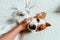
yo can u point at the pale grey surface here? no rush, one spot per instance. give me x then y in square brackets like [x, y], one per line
[50, 33]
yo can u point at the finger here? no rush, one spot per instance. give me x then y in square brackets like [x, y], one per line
[27, 20]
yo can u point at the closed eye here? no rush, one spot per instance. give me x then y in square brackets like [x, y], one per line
[20, 14]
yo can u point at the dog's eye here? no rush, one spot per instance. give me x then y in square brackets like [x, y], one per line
[38, 20]
[20, 14]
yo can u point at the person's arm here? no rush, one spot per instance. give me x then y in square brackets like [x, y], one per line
[11, 34]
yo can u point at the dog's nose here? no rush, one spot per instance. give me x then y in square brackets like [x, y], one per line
[32, 27]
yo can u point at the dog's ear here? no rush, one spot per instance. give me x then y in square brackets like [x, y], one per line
[41, 15]
[37, 15]
[47, 24]
[41, 27]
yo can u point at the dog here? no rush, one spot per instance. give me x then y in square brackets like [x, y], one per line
[36, 24]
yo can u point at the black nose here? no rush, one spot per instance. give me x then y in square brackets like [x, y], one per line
[32, 27]
[38, 20]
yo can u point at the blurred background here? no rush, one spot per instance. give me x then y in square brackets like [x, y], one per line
[51, 7]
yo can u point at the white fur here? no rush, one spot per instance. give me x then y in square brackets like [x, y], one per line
[34, 21]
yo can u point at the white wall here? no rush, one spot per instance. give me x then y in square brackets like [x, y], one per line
[50, 33]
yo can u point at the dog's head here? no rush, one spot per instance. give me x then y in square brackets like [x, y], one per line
[38, 22]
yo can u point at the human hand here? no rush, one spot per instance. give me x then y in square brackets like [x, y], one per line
[23, 24]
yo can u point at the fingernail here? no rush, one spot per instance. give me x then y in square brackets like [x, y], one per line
[29, 18]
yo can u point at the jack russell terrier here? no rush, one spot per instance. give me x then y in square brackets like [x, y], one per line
[36, 24]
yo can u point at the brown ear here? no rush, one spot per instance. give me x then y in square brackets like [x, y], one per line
[37, 15]
[41, 15]
[47, 24]
[41, 27]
